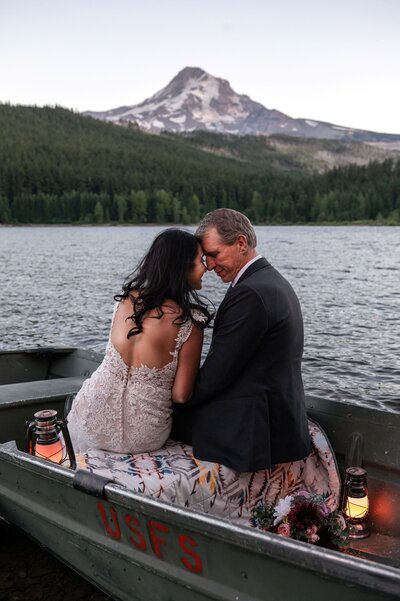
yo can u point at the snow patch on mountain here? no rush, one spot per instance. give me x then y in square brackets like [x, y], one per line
[181, 119]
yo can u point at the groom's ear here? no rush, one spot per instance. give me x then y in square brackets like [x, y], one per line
[242, 243]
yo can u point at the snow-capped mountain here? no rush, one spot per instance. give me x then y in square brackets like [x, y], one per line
[196, 100]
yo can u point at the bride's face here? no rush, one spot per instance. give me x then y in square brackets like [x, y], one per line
[197, 270]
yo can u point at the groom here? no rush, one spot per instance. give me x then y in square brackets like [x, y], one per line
[247, 410]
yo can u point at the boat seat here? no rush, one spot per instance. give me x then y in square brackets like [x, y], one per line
[47, 390]
[173, 474]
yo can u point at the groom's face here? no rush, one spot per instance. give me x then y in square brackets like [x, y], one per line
[225, 259]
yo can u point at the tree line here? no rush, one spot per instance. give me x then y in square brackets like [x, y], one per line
[57, 166]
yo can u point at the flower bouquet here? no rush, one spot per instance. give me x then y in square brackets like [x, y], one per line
[303, 516]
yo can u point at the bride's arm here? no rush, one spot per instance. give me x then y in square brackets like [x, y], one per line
[188, 366]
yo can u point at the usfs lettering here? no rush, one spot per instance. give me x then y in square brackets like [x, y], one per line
[114, 531]
[157, 535]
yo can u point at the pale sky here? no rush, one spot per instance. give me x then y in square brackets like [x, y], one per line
[330, 60]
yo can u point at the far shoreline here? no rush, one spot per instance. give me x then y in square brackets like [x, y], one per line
[183, 225]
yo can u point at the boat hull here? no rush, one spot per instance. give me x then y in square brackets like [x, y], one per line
[134, 547]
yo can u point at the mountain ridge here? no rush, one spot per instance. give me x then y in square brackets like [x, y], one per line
[195, 100]
[57, 166]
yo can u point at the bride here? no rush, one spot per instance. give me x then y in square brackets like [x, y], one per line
[153, 353]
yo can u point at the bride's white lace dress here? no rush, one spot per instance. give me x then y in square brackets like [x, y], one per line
[126, 409]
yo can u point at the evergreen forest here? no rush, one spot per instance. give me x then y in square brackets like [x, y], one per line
[59, 167]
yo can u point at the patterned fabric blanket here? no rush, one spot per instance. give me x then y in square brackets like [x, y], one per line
[173, 474]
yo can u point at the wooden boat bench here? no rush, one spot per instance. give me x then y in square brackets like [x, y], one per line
[173, 474]
[36, 379]
[46, 390]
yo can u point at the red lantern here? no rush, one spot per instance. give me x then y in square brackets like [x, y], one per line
[44, 440]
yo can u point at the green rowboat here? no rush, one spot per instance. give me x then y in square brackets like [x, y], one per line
[138, 548]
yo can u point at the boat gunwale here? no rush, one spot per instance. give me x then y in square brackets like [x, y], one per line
[40, 350]
[327, 563]
[344, 408]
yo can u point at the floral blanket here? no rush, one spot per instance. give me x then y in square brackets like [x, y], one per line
[173, 474]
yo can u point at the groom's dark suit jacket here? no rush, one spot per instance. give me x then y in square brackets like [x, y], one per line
[247, 411]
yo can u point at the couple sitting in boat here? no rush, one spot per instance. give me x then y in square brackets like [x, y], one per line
[243, 409]
[245, 406]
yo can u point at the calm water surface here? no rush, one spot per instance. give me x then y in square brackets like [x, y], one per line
[57, 284]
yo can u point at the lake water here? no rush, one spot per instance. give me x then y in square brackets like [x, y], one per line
[57, 284]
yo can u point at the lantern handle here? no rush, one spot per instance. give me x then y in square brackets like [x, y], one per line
[68, 443]
[28, 438]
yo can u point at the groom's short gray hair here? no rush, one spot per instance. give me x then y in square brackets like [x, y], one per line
[229, 225]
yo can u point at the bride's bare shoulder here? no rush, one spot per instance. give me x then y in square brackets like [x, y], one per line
[168, 311]
[170, 307]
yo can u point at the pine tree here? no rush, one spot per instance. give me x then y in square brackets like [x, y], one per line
[99, 212]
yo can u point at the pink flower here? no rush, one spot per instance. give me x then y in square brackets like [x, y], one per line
[311, 533]
[283, 529]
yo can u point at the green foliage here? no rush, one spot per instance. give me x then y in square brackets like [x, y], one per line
[59, 167]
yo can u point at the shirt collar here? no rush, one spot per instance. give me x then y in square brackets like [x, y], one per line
[241, 272]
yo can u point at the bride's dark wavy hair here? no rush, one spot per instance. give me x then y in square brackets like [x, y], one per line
[162, 274]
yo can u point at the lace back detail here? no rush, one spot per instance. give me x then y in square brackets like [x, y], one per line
[126, 409]
[186, 329]
[184, 332]
[116, 305]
